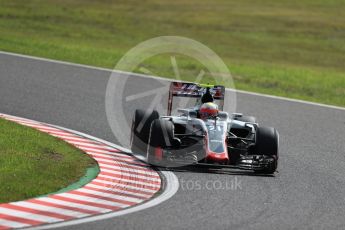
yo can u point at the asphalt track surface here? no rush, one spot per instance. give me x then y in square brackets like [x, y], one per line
[307, 193]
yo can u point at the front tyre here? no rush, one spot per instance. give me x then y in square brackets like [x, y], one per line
[161, 136]
[267, 143]
[140, 131]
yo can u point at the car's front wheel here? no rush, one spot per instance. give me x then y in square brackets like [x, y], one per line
[161, 136]
[267, 143]
[140, 131]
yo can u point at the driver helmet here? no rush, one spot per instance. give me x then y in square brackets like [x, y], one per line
[208, 110]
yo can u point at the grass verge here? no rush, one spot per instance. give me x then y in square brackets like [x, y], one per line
[33, 163]
[286, 48]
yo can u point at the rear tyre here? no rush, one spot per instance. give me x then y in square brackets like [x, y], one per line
[161, 136]
[140, 132]
[267, 143]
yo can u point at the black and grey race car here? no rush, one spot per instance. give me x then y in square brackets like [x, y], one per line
[223, 141]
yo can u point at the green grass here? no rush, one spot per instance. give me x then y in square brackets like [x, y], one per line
[287, 48]
[33, 163]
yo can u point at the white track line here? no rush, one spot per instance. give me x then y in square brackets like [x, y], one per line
[13, 224]
[137, 184]
[131, 178]
[94, 200]
[74, 205]
[126, 198]
[124, 185]
[52, 209]
[164, 79]
[129, 171]
[107, 156]
[28, 215]
[113, 189]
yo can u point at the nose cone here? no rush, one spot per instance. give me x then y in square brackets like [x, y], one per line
[220, 158]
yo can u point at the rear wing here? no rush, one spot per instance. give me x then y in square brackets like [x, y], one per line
[185, 89]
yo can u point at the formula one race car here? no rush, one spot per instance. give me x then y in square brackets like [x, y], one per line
[204, 134]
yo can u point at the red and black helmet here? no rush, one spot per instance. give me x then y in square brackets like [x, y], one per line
[208, 110]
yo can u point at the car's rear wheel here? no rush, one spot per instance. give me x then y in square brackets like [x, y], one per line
[140, 132]
[161, 136]
[267, 143]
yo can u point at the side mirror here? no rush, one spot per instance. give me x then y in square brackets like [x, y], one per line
[193, 114]
[223, 116]
[236, 115]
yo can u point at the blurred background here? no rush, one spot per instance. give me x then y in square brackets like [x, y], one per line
[287, 48]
